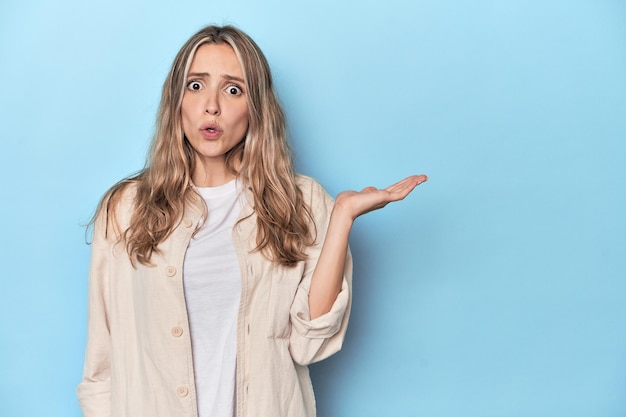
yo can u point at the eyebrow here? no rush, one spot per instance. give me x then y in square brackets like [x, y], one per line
[206, 74]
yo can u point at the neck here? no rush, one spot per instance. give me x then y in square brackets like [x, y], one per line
[211, 173]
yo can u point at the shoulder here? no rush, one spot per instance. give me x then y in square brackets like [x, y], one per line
[314, 195]
[116, 208]
[120, 199]
[309, 185]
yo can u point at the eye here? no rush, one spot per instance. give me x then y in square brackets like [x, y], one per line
[234, 90]
[194, 85]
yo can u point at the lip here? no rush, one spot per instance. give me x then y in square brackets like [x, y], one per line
[211, 130]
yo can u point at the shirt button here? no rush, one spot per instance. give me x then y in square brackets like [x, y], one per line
[177, 331]
[187, 223]
[182, 391]
[170, 271]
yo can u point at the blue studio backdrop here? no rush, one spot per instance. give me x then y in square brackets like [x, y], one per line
[496, 289]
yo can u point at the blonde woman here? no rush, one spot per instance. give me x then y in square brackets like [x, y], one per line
[217, 274]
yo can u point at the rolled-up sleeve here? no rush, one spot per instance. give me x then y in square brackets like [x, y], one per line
[94, 391]
[314, 340]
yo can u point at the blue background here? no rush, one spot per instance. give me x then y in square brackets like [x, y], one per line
[496, 289]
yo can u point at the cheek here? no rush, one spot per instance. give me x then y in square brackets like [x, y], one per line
[185, 107]
[185, 114]
[243, 118]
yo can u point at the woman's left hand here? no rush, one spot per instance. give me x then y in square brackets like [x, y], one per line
[326, 282]
[356, 203]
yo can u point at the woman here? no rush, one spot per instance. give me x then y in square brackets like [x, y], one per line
[217, 274]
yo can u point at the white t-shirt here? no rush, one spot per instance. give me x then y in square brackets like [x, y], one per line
[212, 282]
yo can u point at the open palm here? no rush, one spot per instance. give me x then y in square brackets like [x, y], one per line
[356, 203]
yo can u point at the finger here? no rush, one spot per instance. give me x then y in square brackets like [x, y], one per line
[402, 188]
[415, 180]
[421, 178]
[409, 182]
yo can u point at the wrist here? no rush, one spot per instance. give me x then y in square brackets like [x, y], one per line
[342, 214]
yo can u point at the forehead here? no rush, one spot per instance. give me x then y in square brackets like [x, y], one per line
[216, 59]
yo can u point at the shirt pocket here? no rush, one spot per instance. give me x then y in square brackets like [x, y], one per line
[284, 284]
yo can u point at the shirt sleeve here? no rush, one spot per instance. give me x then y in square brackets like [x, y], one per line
[314, 340]
[94, 391]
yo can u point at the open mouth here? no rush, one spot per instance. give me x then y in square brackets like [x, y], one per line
[211, 128]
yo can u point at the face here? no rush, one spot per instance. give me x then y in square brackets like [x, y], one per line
[214, 107]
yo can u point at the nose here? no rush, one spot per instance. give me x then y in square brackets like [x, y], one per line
[212, 106]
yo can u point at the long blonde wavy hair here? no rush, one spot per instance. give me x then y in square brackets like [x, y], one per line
[263, 158]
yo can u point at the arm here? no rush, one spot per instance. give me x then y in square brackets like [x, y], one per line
[327, 276]
[94, 391]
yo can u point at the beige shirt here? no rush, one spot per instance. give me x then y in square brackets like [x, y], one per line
[138, 360]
